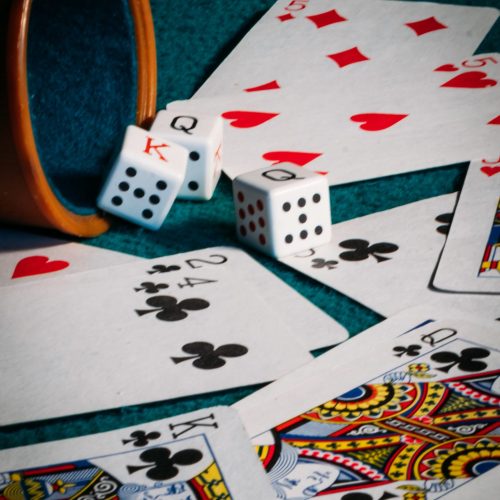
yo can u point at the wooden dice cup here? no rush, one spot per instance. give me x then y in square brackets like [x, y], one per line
[26, 196]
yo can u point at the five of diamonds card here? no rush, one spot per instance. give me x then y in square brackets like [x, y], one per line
[407, 409]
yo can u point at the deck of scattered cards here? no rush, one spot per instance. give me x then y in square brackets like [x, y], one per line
[408, 409]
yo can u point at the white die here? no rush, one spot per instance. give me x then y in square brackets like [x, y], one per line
[282, 210]
[145, 178]
[202, 136]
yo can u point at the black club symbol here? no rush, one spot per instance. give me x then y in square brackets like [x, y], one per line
[321, 263]
[358, 495]
[466, 361]
[411, 350]
[141, 438]
[208, 358]
[445, 219]
[361, 250]
[168, 309]
[160, 268]
[162, 464]
[150, 287]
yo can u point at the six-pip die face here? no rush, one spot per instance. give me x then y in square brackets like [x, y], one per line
[145, 178]
[282, 210]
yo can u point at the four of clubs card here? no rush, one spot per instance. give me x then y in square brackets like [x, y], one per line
[178, 326]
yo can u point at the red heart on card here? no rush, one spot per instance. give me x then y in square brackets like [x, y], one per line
[447, 67]
[37, 264]
[300, 158]
[247, 119]
[377, 121]
[490, 171]
[470, 80]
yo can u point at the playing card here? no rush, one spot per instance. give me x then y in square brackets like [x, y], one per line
[26, 257]
[169, 327]
[302, 42]
[481, 71]
[282, 394]
[204, 455]
[313, 327]
[386, 260]
[481, 487]
[470, 261]
[350, 136]
[29, 257]
[421, 416]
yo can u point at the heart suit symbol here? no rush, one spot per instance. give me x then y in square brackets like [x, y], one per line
[447, 67]
[470, 80]
[247, 119]
[374, 122]
[37, 264]
[300, 158]
[490, 171]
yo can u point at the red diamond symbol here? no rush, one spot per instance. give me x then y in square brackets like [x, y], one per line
[265, 86]
[495, 121]
[347, 57]
[326, 18]
[285, 17]
[426, 26]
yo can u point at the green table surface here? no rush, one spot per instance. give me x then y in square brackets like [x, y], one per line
[193, 37]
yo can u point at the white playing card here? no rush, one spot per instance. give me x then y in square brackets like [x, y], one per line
[153, 330]
[280, 395]
[29, 257]
[383, 260]
[481, 487]
[386, 260]
[470, 261]
[292, 42]
[26, 257]
[313, 327]
[352, 136]
[428, 397]
[204, 454]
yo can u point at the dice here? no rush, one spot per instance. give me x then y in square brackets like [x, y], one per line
[202, 136]
[145, 178]
[282, 210]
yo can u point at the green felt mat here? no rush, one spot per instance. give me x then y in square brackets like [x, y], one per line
[192, 39]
